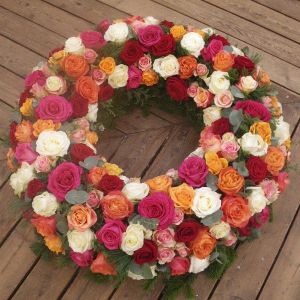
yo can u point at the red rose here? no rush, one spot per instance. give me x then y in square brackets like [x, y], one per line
[106, 92]
[254, 109]
[12, 134]
[146, 254]
[167, 23]
[131, 52]
[179, 265]
[257, 169]
[24, 95]
[34, 187]
[187, 231]
[166, 45]
[177, 89]
[109, 183]
[243, 62]
[79, 152]
[80, 106]
[221, 126]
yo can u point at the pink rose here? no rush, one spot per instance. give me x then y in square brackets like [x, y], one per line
[283, 181]
[192, 90]
[224, 99]
[150, 35]
[270, 188]
[182, 249]
[38, 91]
[230, 239]
[95, 197]
[110, 234]
[179, 265]
[165, 237]
[99, 76]
[173, 174]
[209, 141]
[35, 77]
[78, 136]
[134, 77]
[24, 152]
[145, 63]
[201, 70]
[229, 150]
[64, 178]
[179, 216]
[90, 55]
[136, 25]
[267, 101]
[165, 255]
[55, 108]
[82, 259]
[92, 39]
[103, 25]
[213, 48]
[42, 164]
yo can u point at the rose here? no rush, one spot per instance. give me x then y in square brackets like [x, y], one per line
[90, 55]
[159, 206]
[64, 178]
[223, 61]
[236, 212]
[203, 97]
[45, 204]
[112, 169]
[230, 239]
[103, 266]
[193, 171]
[177, 88]
[42, 125]
[165, 46]
[283, 181]
[146, 254]
[201, 70]
[214, 47]
[167, 23]
[95, 175]
[215, 163]
[136, 25]
[282, 131]
[103, 25]
[81, 217]
[203, 245]
[35, 77]
[80, 241]
[110, 234]
[260, 219]
[55, 108]
[193, 43]
[209, 141]
[257, 200]
[205, 202]
[253, 144]
[230, 181]
[177, 31]
[116, 206]
[165, 255]
[247, 84]
[254, 109]
[229, 150]
[257, 169]
[275, 160]
[182, 196]
[79, 106]
[149, 78]
[38, 91]
[106, 92]
[74, 45]
[224, 99]
[166, 66]
[131, 52]
[133, 238]
[107, 65]
[54, 243]
[179, 265]
[78, 135]
[24, 152]
[218, 82]
[187, 66]
[117, 32]
[110, 183]
[94, 198]
[150, 35]
[56, 85]
[134, 77]
[270, 188]
[42, 164]
[160, 183]
[35, 186]
[75, 66]
[243, 62]
[263, 129]
[182, 249]
[79, 152]
[52, 143]
[92, 39]
[119, 76]
[178, 217]
[82, 259]
[220, 230]
[193, 89]
[187, 231]
[151, 20]
[12, 136]
[164, 237]
[44, 226]
[221, 126]
[87, 88]
[24, 132]
[198, 265]
[135, 191]
[145, 63]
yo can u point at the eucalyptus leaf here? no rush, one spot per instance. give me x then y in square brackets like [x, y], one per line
[61, 224]
[228, 49]
[89, 162]
[16, 116]
[226, 112]
[148, 223]
[77, 197]
[236, 92]
[141, 270]
[235, 119]
[241, 168]
[213, 218]
[274, 141]
[211, 181]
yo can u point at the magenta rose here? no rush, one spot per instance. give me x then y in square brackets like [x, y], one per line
[134, 77]
[258, 220]
[212, 49]
[55, 108]
[254, 109]
[150, 35]
[35, 77]
[110, 234]
[64, 178]
[24, 152]
[179, 265]
[158, 206]
[103, 25]
[193, 171]
[92, 39]
[82, 259]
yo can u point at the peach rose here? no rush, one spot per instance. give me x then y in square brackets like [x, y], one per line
[203, 245]
[103, 266]
[81, 217]
[95, 175]
[275, 160]
[214, 162]
[230, 181]
[223, 61]
[177, 31]
[160, 183]
[149, 77]
[182, 196]
[209, 141]
[75, 66]
[187, 66]
[203, 97]
[54, 243]
[24, 132]
[263, 129]
[41, 125]
[115, 206]
[87, 88]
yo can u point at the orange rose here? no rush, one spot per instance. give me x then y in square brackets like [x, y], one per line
[236, 211]
[149, 78]
[54, 243]
[75, 66]
[26, 109]
[230, 181]
[214, 162]
[103, 266]
[87, 88]
[187, 66]
[45, 226]
[177, 31]
[275, 160]
[223, 61]
[95, 175]
[107, 65]
[115, 205]
[263, 129]
[203, 245]
[159, 183]
[182, 195]
[92, 137]
[24, 132]
[81, 217]
[41, 125]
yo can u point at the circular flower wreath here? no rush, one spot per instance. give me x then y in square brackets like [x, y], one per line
[176, 224]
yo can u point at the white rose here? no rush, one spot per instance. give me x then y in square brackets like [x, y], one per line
[220, 230]
[282, 132]
[205, 202]
[135, 190]
[55, 85]
[52, 143]
[81, 241]
[247, 84]
[117, 32]
[151, 21]
[133, 238]
[257, 200]
[237, 51]
[211, 114]
[253, 144]
[74, 45]
[45, 204]
[198, 265]
[20, 179]
[119, 76]
[92, 112]
[166, 66]
[218, 82]
[193, 43]
[135, 276]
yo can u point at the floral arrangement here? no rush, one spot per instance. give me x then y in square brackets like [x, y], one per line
[177, 224]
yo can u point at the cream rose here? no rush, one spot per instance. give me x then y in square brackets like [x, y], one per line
[193, 43]
[133, 238]
[135, 191]
[45, 204]
[20, 179]
[74, 45]
[205, 202]
[247, 84]
[151, 21]
[198, 265]
[218, 82]
[257, 200]
[56, 85]
[92, 112]
[166, 66]
[81, 241]
[220, 230]
[117, 32]
[253, 144]
[224, 99]
[211, 114]
[119, 76]
[52, 143]
[282, 132]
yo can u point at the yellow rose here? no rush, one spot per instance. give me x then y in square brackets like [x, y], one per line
[92, 137]
[177, 31]
[57, 57]
[182, 196]
[112, 169]
[26, 109]
[263, 129]
[215, 163]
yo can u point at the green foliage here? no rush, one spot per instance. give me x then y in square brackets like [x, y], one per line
[149, 284]
[112, 49]
[98, 278]
[233, 76]
[148, 223]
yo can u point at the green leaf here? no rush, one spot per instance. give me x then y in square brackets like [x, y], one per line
[240, 166]
[77, 197]
[236, 92]
[211, 181]
[148, 223]
[213, 218]
[141, 270]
